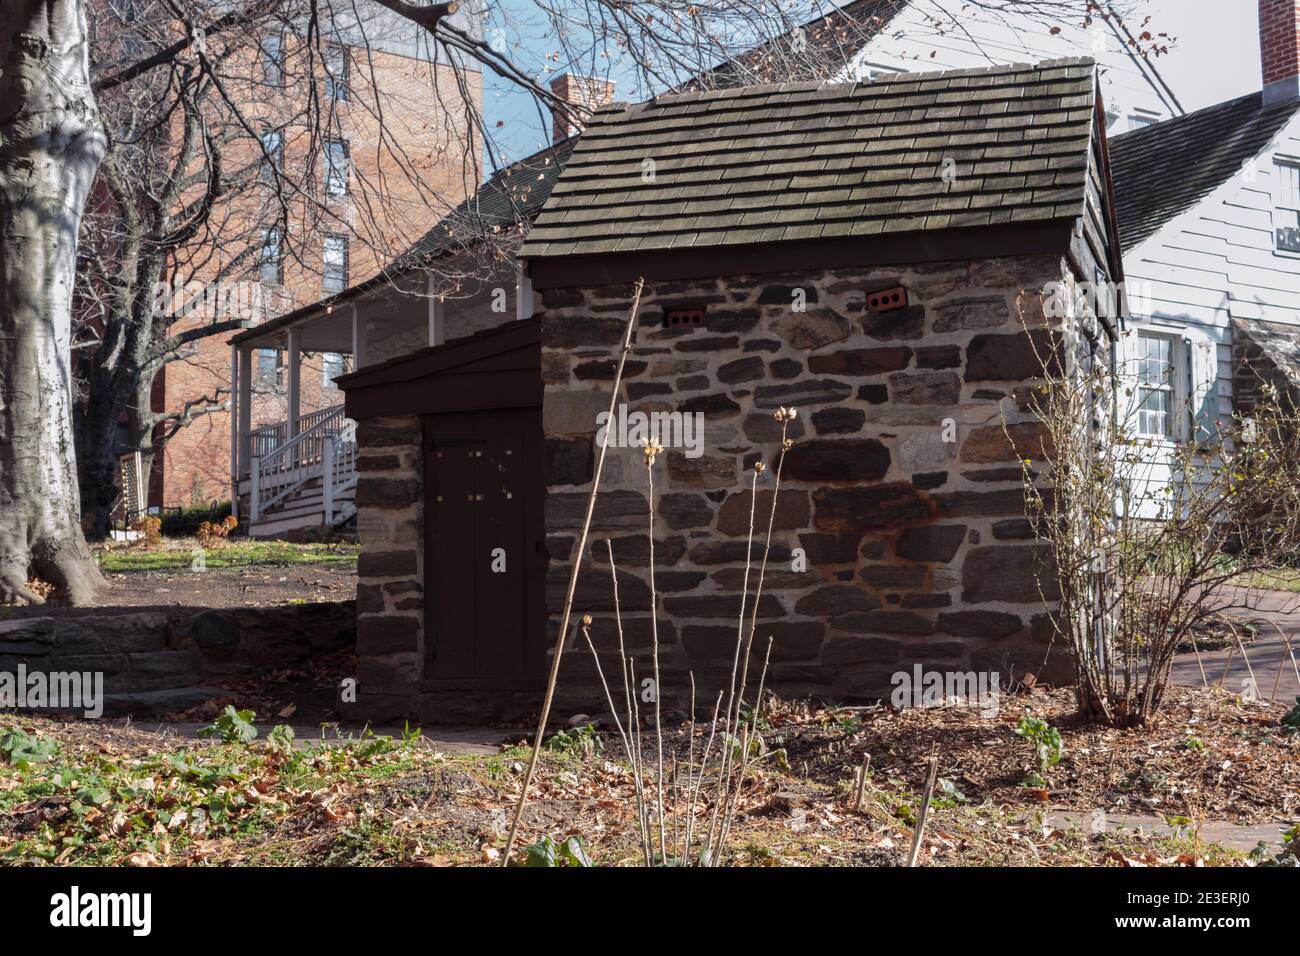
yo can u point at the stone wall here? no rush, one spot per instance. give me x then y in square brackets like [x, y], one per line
[1254, 367]
[166, 660]
[901, 493]
[390, 571]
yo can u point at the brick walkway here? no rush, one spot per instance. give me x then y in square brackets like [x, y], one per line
[1263, 658]
[1231, 835]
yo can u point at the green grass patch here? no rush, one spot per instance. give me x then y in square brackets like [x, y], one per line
[107, 810]
[179, 555]
[1272, 581]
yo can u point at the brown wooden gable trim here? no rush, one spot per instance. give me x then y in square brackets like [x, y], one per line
[1096, 244]
[982, 242]
[1115, 250]
[499, 368]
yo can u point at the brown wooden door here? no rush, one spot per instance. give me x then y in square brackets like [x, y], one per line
[485, 554]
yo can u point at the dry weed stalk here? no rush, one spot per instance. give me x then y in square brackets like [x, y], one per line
[553, 677]
[686, 788]
[918, 835]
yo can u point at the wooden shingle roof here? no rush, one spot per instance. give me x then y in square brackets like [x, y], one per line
[788, 162]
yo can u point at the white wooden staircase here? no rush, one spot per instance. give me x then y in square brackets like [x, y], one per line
[302, 477]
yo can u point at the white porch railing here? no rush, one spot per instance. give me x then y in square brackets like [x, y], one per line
[324, 448]
[262, 442]
[340, 466]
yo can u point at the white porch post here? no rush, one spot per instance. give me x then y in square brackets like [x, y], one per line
[254, 490]
[234, 431]
[294, 359]
[358, 340]
[523, 292]
[437, 315]
[327, 478]
[245, 401]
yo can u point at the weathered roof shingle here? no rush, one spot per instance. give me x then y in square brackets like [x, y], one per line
[814, 161]
[1167, 168]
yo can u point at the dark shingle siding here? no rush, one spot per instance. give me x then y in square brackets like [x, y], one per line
[830, 43]
[802, 161]
[1166, 169]
[509, 200]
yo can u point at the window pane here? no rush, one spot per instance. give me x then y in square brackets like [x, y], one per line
[1153, 416]
[336, 169]
[270, 260]
[273, 60]
[334, 271]
[1288, 185]
[1155, 374]
[336, 73]
[331, 367]
[273, 146]
[268, 361]
[1155, 366]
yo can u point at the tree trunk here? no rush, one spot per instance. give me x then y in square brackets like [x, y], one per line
[51, 143]
[96, 423]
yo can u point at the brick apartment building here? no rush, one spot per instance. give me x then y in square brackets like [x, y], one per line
[365, 215]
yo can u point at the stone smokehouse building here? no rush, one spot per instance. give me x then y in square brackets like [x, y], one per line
[871, 254]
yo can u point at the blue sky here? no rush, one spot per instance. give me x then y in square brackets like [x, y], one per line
[1215, 58]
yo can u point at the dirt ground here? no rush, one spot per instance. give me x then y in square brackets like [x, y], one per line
[223, 587]
[302, 695]
[155, 794]
[1207, 756]
[112, 795]
[230, 587]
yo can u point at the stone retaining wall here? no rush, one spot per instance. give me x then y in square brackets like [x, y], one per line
[164, 660]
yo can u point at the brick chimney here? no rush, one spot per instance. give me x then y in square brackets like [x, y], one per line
[1279, 49]
[585, 92]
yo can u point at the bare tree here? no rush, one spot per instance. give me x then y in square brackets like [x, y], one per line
[194, 189]
[51, 143]
[157, 91]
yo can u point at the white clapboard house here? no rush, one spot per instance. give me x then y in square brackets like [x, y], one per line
[1209, 217]
[924, 35]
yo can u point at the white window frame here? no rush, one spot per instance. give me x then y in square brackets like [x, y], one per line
[1286, 200]
[338, 174]
[328, 359]
[337, 241]
[1177, 387]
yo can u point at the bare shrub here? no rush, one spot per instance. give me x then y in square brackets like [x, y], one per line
[1151, 535]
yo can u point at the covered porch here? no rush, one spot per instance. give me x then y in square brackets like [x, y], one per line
[292, 451]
